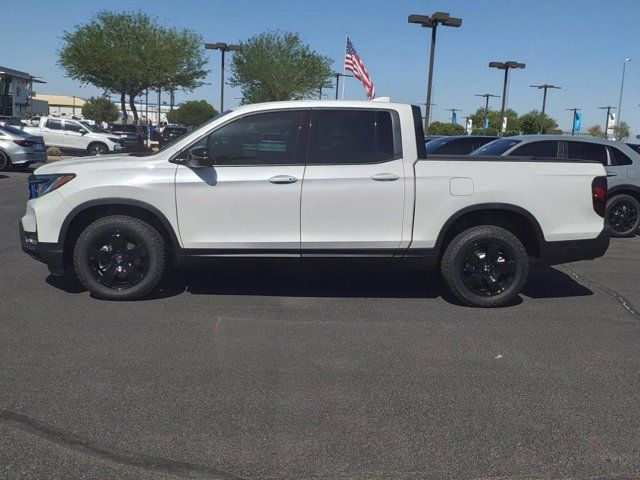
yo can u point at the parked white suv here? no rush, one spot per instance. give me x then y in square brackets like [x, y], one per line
[68, 134]
[315, 180]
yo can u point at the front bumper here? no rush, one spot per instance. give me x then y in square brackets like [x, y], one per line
[554, 253]
[50, 254]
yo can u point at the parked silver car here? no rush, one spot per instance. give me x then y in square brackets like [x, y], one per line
[621, 162]
[19, 148]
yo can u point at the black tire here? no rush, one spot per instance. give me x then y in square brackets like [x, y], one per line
[623, 216]
[5, 161]
[485, 266]
[97, 149]
[119, 258]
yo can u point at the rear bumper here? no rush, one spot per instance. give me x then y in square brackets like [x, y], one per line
[26, 158]
[51, 254]
[553, 253]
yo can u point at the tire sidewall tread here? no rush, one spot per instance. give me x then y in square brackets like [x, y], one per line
[610, 202]
[154, 245]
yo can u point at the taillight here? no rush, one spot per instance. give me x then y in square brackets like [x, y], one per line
[599, 195]
[24, 143]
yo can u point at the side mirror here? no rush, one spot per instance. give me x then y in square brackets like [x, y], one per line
[199, 158]
[83, 131]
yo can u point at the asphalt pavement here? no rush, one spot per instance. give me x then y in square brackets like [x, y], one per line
[288, 374]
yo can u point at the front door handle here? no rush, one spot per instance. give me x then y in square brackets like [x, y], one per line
[279, 179]
[385, 177]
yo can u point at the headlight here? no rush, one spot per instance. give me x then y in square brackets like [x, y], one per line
[40, 185]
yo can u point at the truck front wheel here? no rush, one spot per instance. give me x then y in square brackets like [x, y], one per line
[119, 258]
[485, 266]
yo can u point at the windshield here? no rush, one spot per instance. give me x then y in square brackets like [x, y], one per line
[496, 148]
[14, 130]
[435, 144]
[198, 129]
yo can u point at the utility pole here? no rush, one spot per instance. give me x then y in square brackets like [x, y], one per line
[453, 114]
[338, 75]
[544, 87]
[608, 108]
[486, 96]
[573, 119]
[432, 22]
[624, 67]
[506, 66]
[223, 47]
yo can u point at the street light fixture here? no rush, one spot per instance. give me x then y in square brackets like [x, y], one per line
[223, 47]
[432, 22]
[608, 108]
[506, 66]
[486, 96]
[544, 87]
[573, 119]
[338, 75]
[624, 67]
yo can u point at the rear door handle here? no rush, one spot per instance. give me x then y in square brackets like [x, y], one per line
[385, 177]
[279, 179]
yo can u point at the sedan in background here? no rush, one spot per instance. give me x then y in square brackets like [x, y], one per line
[19, 148]
[621, 162]
[459, 145]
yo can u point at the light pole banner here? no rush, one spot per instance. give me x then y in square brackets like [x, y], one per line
[577, 122]
[611, 121]
[454, 118]
[486, 123]
[504, 124]
[469, 125]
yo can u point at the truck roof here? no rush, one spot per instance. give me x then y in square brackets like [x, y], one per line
[320, 104]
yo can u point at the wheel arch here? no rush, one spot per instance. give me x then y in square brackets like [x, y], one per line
[82, 215]
[513, 218]
[628, 189]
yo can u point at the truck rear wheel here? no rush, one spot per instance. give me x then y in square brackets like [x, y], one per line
[485, 266]
[119, 258]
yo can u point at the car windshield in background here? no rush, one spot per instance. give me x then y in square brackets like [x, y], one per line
[89, 127]
[434, 145]
[14, 130]
[495, 148]
[198, 128]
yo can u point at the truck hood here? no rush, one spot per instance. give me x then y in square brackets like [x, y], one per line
[107, 162]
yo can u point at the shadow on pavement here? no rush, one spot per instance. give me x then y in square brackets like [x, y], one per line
[543, 282]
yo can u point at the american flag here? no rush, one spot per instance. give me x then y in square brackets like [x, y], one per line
[353, 63]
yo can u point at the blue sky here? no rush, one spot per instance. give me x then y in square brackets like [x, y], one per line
[577, 44]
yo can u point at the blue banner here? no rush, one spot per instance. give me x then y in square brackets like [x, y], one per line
[454, 118]
[486, 123]
[577, 121]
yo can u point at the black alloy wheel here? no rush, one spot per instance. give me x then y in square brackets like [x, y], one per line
[488, 270]
[623, 215]
[98, 149]
[118, 261]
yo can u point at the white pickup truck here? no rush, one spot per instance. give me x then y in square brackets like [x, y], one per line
[68, 134]
[315, 180]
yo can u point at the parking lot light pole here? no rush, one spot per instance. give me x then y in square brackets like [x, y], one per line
[453, 113]
[486, 96]
[338, 75]
[223, 47]
[608, 108]
[544, 87]
[432, 22]
[573, 119]
[624, 67]
[506, 66]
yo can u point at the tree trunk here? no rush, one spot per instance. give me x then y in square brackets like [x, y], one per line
[132, 105]
[123, 106]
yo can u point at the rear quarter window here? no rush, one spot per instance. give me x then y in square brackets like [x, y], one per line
[619, 158]
[587, 151]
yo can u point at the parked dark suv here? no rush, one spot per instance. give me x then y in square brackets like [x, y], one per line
[170, 133]
[131, 135]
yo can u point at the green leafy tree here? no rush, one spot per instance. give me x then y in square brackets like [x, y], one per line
[100, 109]
[127, 53]
[621, 131]
[531, 123]
[596, 131]
[492, 132]
[442, 128]
[276, 66]
[494, 119]
[192, 113]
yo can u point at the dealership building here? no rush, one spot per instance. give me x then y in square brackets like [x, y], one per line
[16, 95]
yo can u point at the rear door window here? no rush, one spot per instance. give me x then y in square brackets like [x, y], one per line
[72, 127]
[542, 149]
[54, 124]
[618, 158]
[351, 137]
[587, 151]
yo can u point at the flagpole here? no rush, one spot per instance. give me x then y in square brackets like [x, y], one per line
[344, 70]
